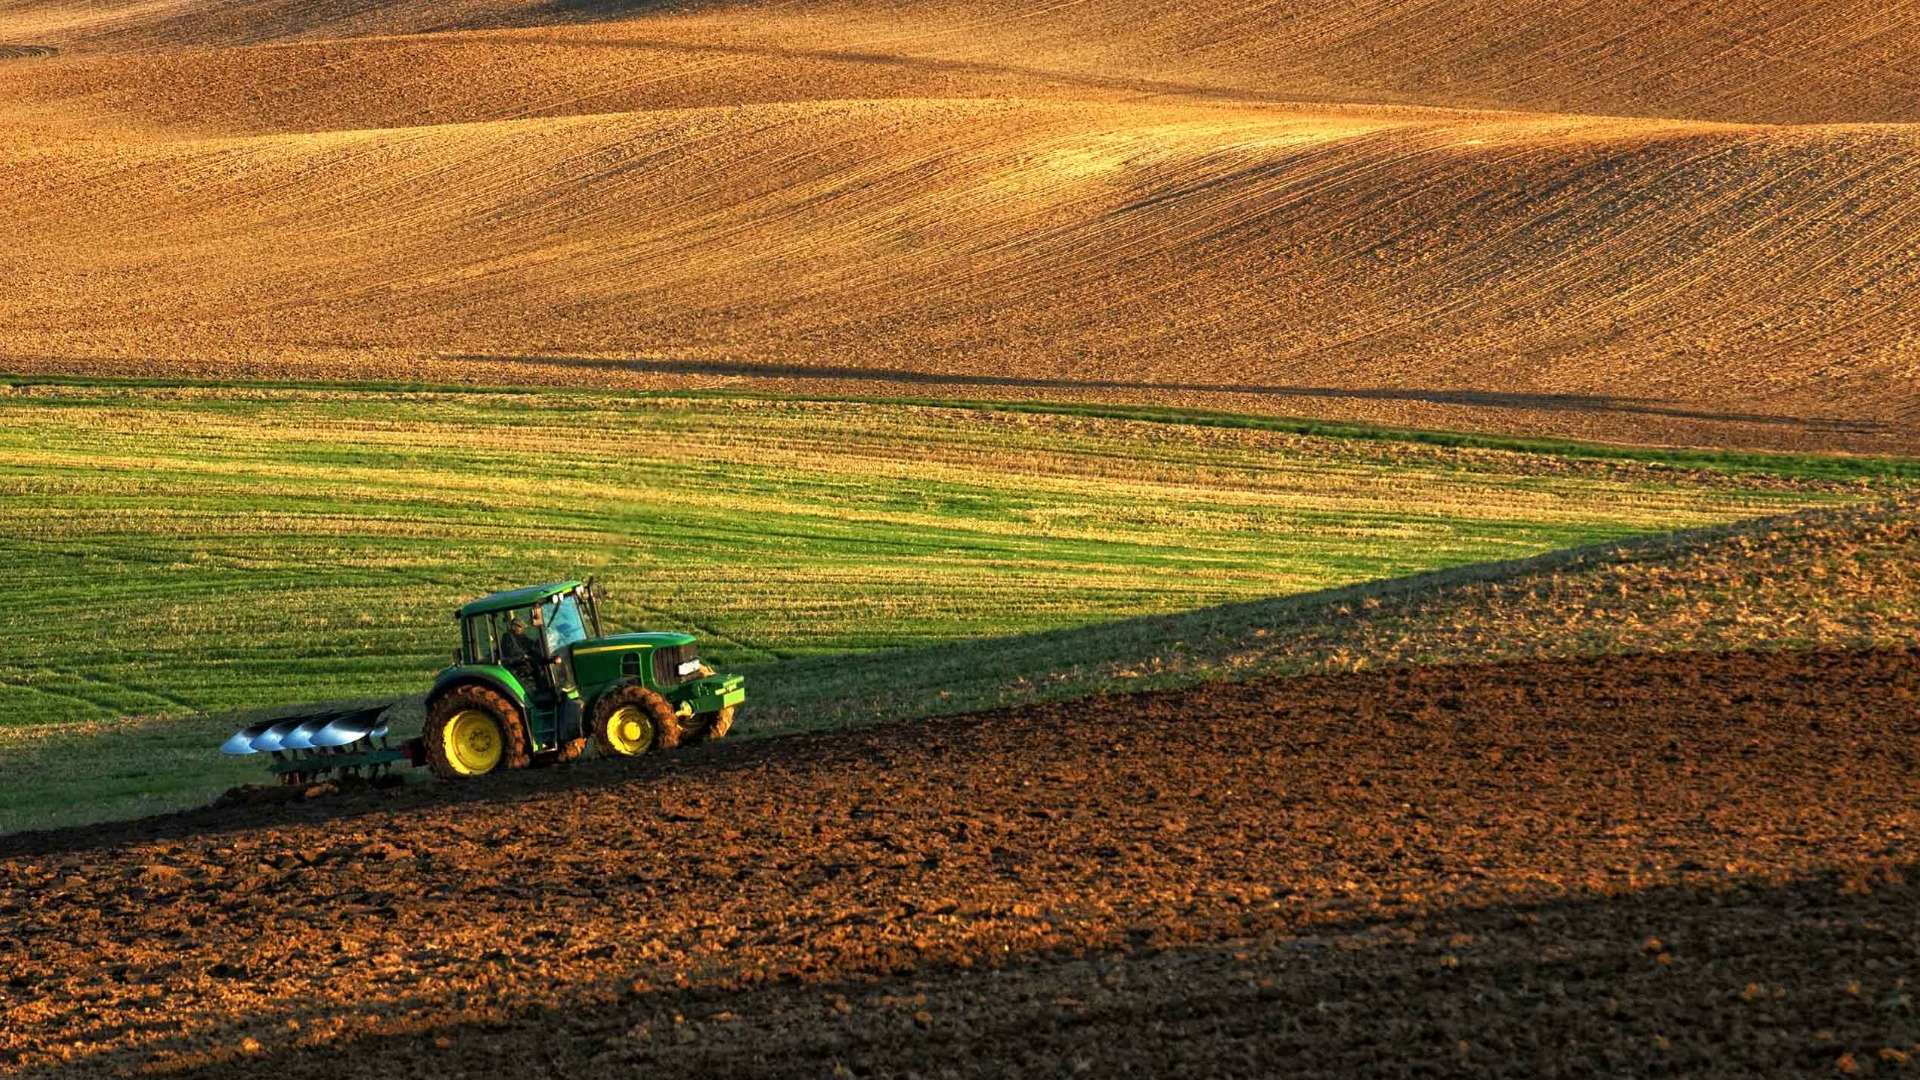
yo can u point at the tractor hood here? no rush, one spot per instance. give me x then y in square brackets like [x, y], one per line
[654, 640]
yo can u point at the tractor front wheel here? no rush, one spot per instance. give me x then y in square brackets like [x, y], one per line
[631, 720]
[471, 731]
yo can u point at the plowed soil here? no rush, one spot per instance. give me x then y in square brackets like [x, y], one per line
[1627, 220]
[1639, 866]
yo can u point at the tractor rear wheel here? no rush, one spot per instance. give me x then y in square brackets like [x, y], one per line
[471, 731]
[630, 720]
[708, 726]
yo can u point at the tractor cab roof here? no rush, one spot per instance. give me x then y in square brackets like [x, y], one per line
[515, 598]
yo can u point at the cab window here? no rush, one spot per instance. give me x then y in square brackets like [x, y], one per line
[561, 615]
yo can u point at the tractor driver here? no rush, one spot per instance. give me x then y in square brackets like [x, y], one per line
[519, 651]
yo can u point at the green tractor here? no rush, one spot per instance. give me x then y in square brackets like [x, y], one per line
[534, 680]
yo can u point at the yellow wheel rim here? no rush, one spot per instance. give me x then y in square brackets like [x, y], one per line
[472, 742]
[629, 731]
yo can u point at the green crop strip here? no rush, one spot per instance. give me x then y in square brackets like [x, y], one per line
[1757, 462]
[178, 550]
[184, 549]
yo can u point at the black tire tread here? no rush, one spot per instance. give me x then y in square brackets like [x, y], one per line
[514, 752]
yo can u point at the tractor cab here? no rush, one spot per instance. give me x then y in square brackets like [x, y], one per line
[528, 633]
[527, 636]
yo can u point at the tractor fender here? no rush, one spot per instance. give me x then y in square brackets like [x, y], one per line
[491, 675]
[617, 684]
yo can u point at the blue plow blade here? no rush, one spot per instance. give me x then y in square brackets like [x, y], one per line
[241, 742]
[301, 737]
[269, 739]
[335, 727]
[352, 727]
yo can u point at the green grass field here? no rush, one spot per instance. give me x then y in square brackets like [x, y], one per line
[177, 550]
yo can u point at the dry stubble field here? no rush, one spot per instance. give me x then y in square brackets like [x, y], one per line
[1638, 221]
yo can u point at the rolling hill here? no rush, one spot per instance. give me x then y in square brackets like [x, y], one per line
[1673, 223]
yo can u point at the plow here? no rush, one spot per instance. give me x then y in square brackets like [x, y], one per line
[315, 746]
[534, 680]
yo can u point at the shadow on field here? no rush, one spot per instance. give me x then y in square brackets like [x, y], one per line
[576, 11]
[943, 66]
[420, 789]
[1723, 977]
[1577, 403]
